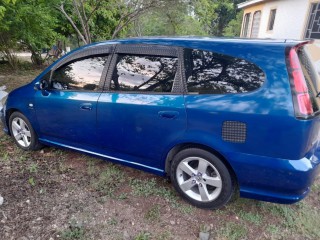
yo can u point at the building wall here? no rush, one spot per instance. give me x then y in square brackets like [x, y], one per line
[252, 10]
[291, 18]
[314, 50]
[290, 21]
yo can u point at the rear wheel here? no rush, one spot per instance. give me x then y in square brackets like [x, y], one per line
[22, 132]
[202, 178]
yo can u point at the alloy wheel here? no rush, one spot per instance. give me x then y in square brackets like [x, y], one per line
[21, 132]
[199, 179]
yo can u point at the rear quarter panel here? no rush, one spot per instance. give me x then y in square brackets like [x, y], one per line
[267, 112]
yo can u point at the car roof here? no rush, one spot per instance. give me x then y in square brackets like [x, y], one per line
[187, 40]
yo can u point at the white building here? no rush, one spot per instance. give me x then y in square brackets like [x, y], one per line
[285, 19]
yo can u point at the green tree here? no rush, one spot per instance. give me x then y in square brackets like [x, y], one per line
[7, 41]
[29, 24]
[174, 17]
[215, 15]
[233, 29]
[94, 20]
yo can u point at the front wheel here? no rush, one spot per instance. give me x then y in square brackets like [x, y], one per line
[202, 178]
[22, 132]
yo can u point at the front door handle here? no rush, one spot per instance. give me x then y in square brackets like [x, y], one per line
[86, 106]
[168, 114]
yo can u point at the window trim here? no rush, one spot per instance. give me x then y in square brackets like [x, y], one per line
[274, 9]
[147, 49]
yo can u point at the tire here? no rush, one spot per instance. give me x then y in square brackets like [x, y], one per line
[22, 132]
[202, 178]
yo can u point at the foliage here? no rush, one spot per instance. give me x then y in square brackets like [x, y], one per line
[35, 25]
[234, 27]
[95, 20]
[173, 18]
[215, 15]
[28, 24]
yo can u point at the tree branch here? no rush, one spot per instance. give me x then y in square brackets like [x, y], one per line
[61, 9]
[76, 7]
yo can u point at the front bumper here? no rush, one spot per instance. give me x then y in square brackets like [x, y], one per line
[274, 179]
[3, 120]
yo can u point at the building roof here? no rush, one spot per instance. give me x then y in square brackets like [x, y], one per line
[250, 3]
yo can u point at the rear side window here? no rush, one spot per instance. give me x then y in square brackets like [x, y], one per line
[310, 75]
[213, 73]
[144, 73]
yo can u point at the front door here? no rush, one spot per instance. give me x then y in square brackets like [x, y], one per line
[66, 112]
[142, 112]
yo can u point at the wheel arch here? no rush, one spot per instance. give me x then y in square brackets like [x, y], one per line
[8, 114]
[177, 148]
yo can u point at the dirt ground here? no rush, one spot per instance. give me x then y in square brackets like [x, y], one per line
[60, 194]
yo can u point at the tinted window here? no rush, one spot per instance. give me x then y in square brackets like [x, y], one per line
[81, 74]
[212, 73]
[144, 73]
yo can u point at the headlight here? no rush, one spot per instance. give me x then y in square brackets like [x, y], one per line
[3, 101]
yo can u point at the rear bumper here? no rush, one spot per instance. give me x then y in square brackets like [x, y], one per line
[273, 179]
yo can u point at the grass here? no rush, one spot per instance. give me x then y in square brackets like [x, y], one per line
[75, 231]
[33, 167]
[254, 218]
[153, 213]
[232, 231]
[166, 235]
[143, 236]
[108, 180]
[150, 187]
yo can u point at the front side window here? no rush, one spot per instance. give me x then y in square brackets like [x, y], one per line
[212, 73]
[144, 73]
[79, 75]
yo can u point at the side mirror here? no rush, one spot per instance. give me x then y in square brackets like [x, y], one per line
[43, 84]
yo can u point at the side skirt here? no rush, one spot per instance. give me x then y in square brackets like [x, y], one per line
[107, 157]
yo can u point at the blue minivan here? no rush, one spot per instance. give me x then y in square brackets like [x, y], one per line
[217, 116]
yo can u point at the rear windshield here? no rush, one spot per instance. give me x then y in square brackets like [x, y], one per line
[311, 74]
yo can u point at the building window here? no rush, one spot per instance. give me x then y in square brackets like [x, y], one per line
[256, 24]
[272, 18]
[245, 29]
[313, 27]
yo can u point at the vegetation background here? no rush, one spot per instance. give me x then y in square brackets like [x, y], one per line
[37, 25]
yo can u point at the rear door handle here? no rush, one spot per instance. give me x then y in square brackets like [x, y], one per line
[86, 106]
[168, 114]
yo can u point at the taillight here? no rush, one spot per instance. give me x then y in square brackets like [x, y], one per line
[302, 102]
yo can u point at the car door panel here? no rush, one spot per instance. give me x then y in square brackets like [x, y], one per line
[67, 111]
[141, 123]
